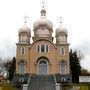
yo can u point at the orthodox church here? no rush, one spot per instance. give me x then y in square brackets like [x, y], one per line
[42, 57]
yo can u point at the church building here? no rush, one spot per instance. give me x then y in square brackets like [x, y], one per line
[43, 62]
[42, 56]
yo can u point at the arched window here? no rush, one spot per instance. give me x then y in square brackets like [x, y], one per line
[22, 66]
[62, 67]
[42, 48]
[42, 67]
[22, 50]
[38, 48]
[46, 48]
[62, 50]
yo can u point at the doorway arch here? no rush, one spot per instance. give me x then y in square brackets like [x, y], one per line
[42, 66]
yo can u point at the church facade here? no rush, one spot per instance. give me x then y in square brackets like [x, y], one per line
[42, 56]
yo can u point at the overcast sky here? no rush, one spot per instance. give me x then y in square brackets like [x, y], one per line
[76, 18]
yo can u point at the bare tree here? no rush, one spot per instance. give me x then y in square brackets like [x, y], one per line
[2, 69]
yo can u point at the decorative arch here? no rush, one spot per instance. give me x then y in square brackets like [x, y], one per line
[42, 40]
[42, 65]
[22, 61]
[42, 58]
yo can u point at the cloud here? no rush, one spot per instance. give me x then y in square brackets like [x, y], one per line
[7, 48]
[84, 47]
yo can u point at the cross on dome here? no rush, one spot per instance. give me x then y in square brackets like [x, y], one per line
[61, 20]
[61, 28]
[43, 4]
[25, 18]
[43, 20]
[43, 11]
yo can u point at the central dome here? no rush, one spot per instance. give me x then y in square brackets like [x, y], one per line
[43, 21]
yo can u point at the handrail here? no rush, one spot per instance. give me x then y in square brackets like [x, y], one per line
[28, 80]
[54, 78]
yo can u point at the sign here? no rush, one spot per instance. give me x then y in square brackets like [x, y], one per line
[84, 78]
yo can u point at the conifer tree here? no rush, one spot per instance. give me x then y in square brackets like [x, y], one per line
[10, 67]
[75, 66]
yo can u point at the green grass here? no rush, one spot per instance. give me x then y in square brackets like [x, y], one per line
[84, 87]
[8, 87]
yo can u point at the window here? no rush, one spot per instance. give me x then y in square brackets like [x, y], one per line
[62, 67]
[42, 48]
[22, 50]
[38, 48]
[21, 68]
[46, 48]
[62, 51]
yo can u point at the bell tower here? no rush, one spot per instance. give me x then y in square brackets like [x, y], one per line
[24, 33]
[63, 48]
[22, 48]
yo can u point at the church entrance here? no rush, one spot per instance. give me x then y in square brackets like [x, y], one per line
[42, 67]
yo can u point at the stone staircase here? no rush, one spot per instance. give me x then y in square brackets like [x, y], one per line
[42, 82]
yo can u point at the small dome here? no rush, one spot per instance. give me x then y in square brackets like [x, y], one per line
[25, 29]
[43, 20]
[61, 29]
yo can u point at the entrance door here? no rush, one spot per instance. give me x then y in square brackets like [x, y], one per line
[42, 67]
